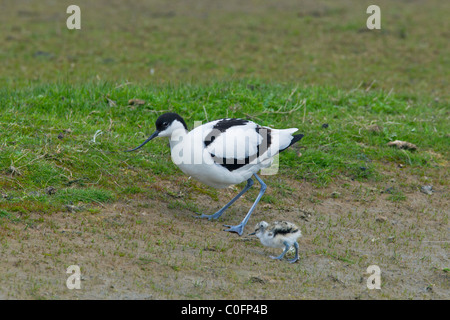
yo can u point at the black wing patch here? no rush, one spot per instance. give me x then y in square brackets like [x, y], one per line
[296, 138]
[222, 126]
[232, 164]
[210, 138]
[284, 231]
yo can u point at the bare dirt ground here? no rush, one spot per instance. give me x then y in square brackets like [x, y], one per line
[147, 249]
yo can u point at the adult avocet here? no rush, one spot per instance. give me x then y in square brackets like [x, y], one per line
[223, 152]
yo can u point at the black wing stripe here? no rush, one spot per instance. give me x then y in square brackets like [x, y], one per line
[233, 164]
[222, 126]
[284, 231]
[295, 138]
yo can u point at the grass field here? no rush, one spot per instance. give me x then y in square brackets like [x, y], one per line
[70, 195]
[303, 42]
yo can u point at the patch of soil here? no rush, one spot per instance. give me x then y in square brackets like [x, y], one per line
[149, 249]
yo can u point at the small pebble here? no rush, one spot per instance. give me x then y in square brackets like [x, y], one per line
[402, 145]
[335, 194]
[50, 190]
[136, 102]
[427, 190]
[374, 128]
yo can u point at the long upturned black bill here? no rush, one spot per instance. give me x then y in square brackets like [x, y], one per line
[154, 135]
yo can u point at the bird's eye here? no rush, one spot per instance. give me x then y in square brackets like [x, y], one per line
[165, 124]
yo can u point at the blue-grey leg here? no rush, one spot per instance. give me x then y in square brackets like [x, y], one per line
[239, 229]
[296, 253]
[286, 248]
[221, 211]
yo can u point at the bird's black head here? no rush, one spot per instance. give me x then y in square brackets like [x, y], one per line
[165, 121]
[165, 125]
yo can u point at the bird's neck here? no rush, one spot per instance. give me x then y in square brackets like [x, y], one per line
[177, 137]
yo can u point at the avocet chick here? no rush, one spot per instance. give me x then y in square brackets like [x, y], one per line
[282, 234]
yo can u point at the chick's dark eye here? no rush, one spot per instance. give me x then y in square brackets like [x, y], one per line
[165, 124]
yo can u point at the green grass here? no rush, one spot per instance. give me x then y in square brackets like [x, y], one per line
[48, 136]
[84, 195]
[288, 64]
[7, 215]
[288, 41]
[396, 195]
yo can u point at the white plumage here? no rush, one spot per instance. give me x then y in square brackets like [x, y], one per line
[238, 144]
[223, 152]
[281, 234]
